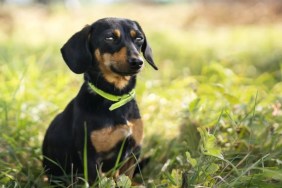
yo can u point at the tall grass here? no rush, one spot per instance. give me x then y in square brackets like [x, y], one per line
[212, 113]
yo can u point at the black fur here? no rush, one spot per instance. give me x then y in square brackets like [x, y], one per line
[64, 140]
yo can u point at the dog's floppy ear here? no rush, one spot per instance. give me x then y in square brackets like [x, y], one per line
[76, 52]
[146, 49]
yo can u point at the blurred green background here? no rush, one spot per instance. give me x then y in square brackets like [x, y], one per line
[212, 113]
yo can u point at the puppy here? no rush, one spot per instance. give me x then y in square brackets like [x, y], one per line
[103, 120]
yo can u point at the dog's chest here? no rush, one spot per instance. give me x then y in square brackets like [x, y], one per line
[106, 139]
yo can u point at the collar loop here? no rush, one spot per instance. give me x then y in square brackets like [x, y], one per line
[119, 100]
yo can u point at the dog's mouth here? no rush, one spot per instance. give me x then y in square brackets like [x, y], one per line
[131, 72]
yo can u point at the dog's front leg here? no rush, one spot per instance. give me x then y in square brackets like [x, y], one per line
[129, 166]
[93, 169]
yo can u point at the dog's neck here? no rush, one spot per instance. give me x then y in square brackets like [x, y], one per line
[103, 84]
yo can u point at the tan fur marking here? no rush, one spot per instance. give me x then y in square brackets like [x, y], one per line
[106, 139]
[137, 130]
[98, 55]
[117, 59]
[120, 56]
[132, 33]
[117, 33]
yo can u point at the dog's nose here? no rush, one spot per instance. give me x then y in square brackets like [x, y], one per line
[135, 63]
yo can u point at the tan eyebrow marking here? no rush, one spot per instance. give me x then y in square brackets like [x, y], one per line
[133, 33]
[117, 33]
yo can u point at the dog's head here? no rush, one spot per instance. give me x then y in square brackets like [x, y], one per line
[113, 45]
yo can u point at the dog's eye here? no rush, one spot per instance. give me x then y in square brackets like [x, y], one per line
[139, 39]
[110, 39]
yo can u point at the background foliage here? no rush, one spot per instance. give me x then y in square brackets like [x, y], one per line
[212, 112]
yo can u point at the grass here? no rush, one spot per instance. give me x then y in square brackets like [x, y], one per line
[212, 112]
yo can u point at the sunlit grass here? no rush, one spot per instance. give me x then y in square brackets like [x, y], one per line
[225, 80]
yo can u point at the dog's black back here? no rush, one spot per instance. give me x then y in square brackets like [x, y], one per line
[108, 53]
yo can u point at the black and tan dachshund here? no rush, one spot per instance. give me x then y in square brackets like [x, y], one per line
[103, 119]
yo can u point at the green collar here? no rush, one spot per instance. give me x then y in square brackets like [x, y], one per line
[119, 100]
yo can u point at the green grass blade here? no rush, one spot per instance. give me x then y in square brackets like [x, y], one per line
[85, 159]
